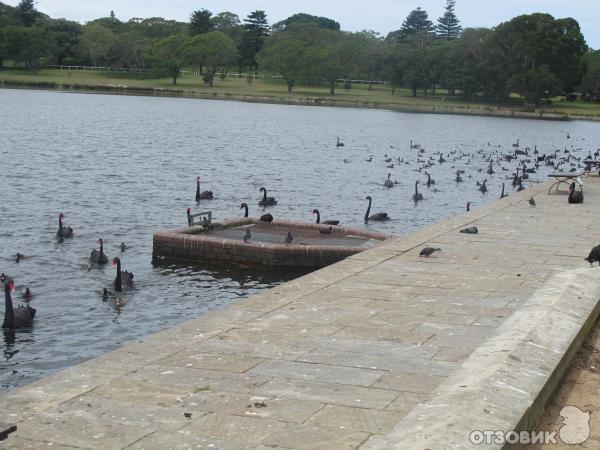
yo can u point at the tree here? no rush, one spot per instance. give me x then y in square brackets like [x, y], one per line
[67, 34]
[469, 64]
[417, 21]
[375, 54]
[96, 44]
[413, 62]
[448, 26]
[27, 12]
[590, 84]
[226, 21]
[156, 27]
[201, 22]
[321, 22]
[28, 45]
[337, 56]
[541, 56]
[256, 30]
[291, 53]
[214, 50]
[169, 55]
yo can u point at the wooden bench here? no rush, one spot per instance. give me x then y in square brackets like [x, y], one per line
[566, 178]
[589, 163]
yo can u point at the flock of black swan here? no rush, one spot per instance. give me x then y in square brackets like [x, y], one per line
[527, 162]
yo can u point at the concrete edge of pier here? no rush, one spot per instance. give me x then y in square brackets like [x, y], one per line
[497, 388]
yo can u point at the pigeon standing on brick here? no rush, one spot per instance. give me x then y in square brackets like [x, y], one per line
[594, 255]
[470, 230]
[247, 235]
[531, 201]
[289, 238]
[427, 251]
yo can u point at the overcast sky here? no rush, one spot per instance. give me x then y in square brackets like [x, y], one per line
[378, 15]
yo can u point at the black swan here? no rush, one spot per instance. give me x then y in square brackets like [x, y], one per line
[123, 279]
[483, 188]
[245, 206]
[427, 251]
[289, 238]
[326, 222]
[490, 170]
[417, 196]
[429, 180]
[204, 195]
[266, 201]
[266, 218]
[123, 246]
[63, 232]
[594, 255]
[377, 217]
[458, 178]
[339, 144]
[27, 295]
[98, 256]
[22, 316]
[575, 196]
[388, 183]
[19, 257]
[247, 235]
[502, 194]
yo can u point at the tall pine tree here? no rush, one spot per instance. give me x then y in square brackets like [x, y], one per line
[256, 30]
[27, 12]
[201, 22]
[448, 26]
[417, 20]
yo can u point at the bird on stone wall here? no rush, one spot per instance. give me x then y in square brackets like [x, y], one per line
[247, 235]
[594, 255]
[428, 251]
[289, 238]
[531, 201]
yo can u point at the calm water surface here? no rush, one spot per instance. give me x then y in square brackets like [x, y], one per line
[119, 167]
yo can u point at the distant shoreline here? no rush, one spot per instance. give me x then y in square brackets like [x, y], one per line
[465, 109]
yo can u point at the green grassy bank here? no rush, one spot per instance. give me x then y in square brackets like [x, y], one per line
[267, 91]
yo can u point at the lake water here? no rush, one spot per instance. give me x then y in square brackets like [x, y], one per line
[120, 167]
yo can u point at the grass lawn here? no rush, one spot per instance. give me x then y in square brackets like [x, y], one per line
[359, 94]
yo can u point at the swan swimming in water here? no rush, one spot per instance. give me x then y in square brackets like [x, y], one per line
[417, 196]
[22, 316]
[63, 231]
[98, 256]
[204, 195]
[326, 222]
[377, 217]
[123, 279]
[266, 201]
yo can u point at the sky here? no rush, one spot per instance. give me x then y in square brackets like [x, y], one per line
[378, 15]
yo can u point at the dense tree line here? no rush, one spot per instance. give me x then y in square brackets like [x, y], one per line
[535, 56]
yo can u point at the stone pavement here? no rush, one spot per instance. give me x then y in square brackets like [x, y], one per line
[372, 351]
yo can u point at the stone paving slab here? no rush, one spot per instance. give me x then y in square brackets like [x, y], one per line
[378, 351]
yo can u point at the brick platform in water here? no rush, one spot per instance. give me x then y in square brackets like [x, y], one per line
[382, 350]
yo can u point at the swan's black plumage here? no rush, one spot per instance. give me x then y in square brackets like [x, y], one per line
[98, 256]
[123, 279]
[594, 255]
[325, 222]
[204, 195]
[22, 316]
[266, 218]
[575, 196]
[266, 201]
[63, 231]
[377, 217]
[417, 196]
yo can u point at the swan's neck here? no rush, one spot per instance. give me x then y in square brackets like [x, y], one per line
[368, 211]
[264, 194]
[60, 224]
[416, 188]
[9, 313]
[101, 248]
[118, 279]
[245, 210]
[318, 217]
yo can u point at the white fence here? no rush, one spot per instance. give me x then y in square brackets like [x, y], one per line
[197, 73]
